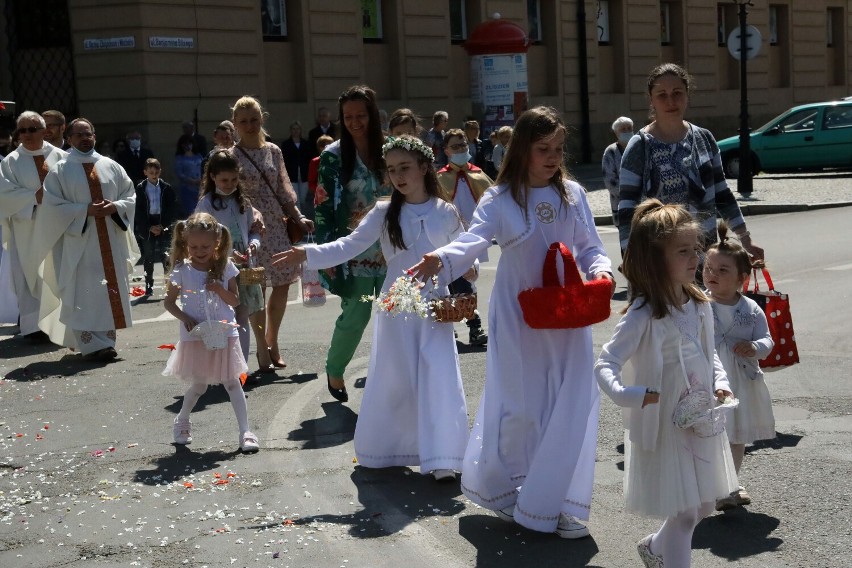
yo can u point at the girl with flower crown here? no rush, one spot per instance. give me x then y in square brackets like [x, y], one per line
[413, 411]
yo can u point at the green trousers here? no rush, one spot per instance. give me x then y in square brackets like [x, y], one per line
[351, 323]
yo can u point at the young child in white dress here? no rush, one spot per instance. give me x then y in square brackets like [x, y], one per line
[742, 339]
[413, 411]
[205, 280]
[663, 349]
[223, 197]
[531, 454]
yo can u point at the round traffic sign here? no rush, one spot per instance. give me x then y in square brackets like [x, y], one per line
[753, 40]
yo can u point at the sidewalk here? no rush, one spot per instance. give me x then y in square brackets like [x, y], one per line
[773, 193]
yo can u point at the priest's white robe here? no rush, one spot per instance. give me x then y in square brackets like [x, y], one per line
[80, 275]
[19, 181]
[414, 410]
[534, 436]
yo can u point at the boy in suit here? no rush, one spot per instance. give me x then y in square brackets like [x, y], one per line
[156, 205]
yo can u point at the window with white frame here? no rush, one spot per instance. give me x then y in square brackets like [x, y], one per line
[603, 21]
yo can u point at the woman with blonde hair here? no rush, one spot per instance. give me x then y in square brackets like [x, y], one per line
[265, 181]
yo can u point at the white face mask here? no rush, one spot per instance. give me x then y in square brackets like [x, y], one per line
[624, 137]
[223, 194]
[135, 143]
[460, 159]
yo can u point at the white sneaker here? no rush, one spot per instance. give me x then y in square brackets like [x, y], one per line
[506, 514]
[444, 475]
[182, 431]
[570, 527]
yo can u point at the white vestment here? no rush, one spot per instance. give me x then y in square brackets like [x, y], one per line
[19, 181]
[89, 301]
[414, 410]
[8, 301]
[533, 439]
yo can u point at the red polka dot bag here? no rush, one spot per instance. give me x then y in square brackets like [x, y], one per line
[776, 306]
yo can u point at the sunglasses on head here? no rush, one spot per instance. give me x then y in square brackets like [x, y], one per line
[30, 129]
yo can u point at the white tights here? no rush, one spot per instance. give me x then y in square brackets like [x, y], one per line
[674, 539]
[235, 393]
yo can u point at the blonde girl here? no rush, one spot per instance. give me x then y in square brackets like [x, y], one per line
[204, 278]
[661, 350]
[742, 339]
[413, 411]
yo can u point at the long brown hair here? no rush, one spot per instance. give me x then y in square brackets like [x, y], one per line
[536, 124]
[203, 223]
[348, 152]
[219, 162]
[654, 224]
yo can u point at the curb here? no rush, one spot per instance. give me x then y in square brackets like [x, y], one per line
[760, 209]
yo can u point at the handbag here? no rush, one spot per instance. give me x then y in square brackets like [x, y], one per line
[211, 332]
[313, 294]
[294, 230]
[574, 304]
[776, 306]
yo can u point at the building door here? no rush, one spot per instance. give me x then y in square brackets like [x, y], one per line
[41, 55]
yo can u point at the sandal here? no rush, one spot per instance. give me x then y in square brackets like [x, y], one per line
[277, 362]
[248, 443]
[182, 431]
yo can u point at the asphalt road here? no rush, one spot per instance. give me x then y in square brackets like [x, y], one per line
[89, 476]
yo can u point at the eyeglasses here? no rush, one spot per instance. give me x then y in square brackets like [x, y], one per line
[30, 130]
[459, 147]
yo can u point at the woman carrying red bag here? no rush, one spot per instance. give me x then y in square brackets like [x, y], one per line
[531, 454]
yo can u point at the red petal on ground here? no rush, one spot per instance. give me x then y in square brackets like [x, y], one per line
[169, 346]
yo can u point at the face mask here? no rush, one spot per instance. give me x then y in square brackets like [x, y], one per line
[460, 159]
[624, 137]
[222, 193]
[135, 143]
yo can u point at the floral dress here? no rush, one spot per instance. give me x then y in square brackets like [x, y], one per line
[269, 159]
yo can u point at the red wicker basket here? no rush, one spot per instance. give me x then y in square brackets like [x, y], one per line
[454, 308]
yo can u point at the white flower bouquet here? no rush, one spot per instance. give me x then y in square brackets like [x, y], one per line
[403, 297]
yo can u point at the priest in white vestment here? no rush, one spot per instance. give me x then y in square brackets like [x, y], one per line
[88, 207]
[22, 174]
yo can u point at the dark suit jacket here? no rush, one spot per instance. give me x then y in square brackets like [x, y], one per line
[297, 160]
[315, 133]
[143, 222]
[134, 166]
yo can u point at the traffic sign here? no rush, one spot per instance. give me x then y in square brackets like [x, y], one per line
[753, 40]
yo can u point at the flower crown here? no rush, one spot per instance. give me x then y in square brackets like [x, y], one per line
[409, 144]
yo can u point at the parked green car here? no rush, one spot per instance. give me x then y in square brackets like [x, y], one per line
[812, 136]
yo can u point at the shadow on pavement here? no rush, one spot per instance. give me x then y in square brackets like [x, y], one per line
[737, 534]
[779, 442]
[71, 364]
[178, 465]
[335, 428]
[16, 346]
[500, 544]
[218, 394]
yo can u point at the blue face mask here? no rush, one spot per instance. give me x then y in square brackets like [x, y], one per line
[460, 159]
[624, 137]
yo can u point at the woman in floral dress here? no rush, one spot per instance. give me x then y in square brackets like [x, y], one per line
[264, 179]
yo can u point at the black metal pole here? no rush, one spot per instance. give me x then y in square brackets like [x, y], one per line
[744, 181]
[585, 120]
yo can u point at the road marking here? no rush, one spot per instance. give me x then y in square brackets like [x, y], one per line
[841, 267]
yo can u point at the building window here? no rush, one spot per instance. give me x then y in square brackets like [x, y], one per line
[665, 23]
[273, 19]
[534, 20]
[829, 27]
[721, 29]
[773, 25]
[371, 20]
[458, 20]
[603, 22]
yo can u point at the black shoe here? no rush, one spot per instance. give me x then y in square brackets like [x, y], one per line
[339, 394]
[149, 290]
[105, 354]
[38, 337]
[477, 337]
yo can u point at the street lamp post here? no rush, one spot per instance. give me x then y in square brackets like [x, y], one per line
[744, 181]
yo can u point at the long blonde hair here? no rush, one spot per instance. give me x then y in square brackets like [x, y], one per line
[202, 223]
[654, 224]
[247, 102]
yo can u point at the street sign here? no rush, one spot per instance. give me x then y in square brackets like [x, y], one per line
[753, 40]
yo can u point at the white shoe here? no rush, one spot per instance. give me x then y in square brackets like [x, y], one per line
[182, 431]
[570, 527]
[444, 475]
[248, 443]
[506, 514]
